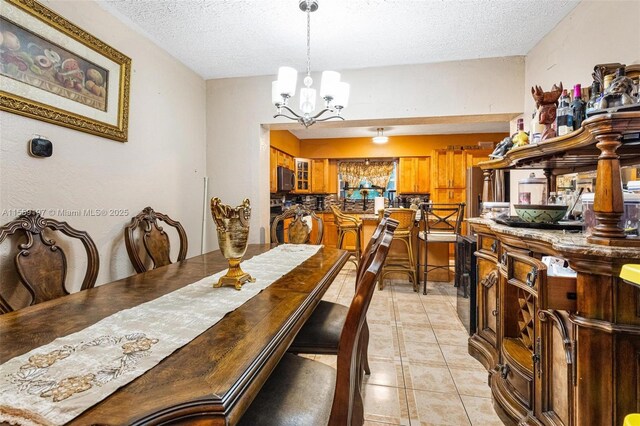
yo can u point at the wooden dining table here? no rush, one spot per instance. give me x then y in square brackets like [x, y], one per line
[212, 379]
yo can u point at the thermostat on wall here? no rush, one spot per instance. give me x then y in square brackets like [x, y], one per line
[40, 147]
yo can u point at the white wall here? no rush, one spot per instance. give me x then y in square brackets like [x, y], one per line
[162, 165]
[237, 145]
[595, 32]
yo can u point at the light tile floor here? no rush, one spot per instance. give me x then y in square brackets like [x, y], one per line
[421, 373]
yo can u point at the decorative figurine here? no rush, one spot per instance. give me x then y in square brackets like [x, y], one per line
[547, 104]
[618, 93]
[520, 139]
[501, 149]
[233, 236]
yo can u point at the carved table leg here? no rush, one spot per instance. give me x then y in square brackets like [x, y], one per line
[608, 205]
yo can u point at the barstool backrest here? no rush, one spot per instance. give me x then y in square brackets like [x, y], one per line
[406, 218]
[443, 217]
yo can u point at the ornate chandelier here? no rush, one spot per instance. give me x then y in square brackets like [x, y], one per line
[334, 92]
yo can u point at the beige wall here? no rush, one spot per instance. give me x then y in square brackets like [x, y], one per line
[238, 147]
[595, 32]
[162, 164]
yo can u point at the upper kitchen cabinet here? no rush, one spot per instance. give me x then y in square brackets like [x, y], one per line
[303, 175]
[449, 168]
[277, 159]
[320, 176]
[414, 175]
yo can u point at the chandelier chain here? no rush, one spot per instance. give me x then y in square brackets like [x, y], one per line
[308, 38]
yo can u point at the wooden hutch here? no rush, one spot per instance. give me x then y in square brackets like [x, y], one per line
[563, 351]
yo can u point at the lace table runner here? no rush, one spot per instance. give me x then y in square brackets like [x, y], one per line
[56, 382]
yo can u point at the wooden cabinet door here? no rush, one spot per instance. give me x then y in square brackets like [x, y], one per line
[554, 366]
[320, 176]
[273, 170]
[333, 177]
[423, 178]
[448, 195]
[441, 166]
[457, 170]
[487, 296]
[406, 176]
[303, 175]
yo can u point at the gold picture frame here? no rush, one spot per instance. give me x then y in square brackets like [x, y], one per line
[54, 71]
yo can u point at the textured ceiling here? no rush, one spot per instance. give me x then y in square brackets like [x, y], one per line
[233, 38]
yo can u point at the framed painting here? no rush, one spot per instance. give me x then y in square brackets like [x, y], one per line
[54, 71]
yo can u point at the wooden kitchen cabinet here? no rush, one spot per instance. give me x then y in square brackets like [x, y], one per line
[414, 175]
[450, 168]
[320, 176]
[303, 175]
[449, 195]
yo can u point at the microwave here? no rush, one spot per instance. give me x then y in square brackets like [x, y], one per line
[286, 179]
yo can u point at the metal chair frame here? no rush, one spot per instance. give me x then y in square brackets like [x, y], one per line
[437, 220]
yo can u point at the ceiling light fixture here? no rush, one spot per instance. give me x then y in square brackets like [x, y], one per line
[334, 92]
[380, 137]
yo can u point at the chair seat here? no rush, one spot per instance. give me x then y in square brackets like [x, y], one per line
[439, 237]
[321, 333]
[298, 392]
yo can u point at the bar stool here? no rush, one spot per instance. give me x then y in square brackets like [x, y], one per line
[348, 224]
[398, 262]
[442, 225]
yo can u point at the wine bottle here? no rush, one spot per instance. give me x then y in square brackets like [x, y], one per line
[577, 107]
[564, 119]
[592, 105]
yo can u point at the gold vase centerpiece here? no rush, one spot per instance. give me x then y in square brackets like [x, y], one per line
[233, 235]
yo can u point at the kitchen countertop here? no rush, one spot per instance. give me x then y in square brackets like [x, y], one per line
[561, 241]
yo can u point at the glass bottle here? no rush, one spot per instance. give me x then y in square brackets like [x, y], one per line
[592, 105]
[536, 129]
[564, 120]
[553, 200]
[577, 107]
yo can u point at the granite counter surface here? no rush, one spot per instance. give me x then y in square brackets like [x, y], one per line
[561, 241]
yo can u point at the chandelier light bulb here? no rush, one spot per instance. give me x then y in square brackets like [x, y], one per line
[287, 81]
[341, 99]
[307, 100]
[329, 84]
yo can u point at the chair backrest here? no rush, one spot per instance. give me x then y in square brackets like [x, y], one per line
[347, 408]
[405, 217]
[341, 218]
[372, 245]
[443, 218]
[154, 238]
[298, 230]
[41, 263]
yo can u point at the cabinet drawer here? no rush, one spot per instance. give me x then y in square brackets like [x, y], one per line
[559, 293]
[488, 244]
[524, 271]
[517, 370]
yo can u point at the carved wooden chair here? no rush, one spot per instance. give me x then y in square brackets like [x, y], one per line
[297, 229]
[40, 263]
[155, 239]
[301, 391]
[321, 333]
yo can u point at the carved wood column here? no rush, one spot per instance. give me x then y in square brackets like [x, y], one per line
[551, 181]
[608, 204]
[487, 187]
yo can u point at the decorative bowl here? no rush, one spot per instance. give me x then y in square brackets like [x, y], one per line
[540, 213]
